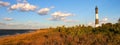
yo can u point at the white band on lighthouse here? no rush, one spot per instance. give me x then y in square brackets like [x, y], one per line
[96, 16]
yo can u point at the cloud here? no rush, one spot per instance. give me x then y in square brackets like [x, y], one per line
[16, 6]
[4, 3]
[2, 23]
[52, 7]
[104, 20]
[44, 11]
[59, 16]
[26, 25]
[91, 23]
[24, 6]
[62, 16]
[7, 19]
[28, 7]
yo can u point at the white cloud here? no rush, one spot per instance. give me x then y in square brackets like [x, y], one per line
[104, 20]
[16, 6]
[28, 7]
[52, 7]
[44, 11]
[24, 6]
[59, 16]
[62, 16]
[4, 3]
[7, 19]
[91, 24]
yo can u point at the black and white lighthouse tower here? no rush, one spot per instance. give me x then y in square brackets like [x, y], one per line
[96, 17]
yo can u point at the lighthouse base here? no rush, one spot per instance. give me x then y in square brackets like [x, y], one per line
[97, 25]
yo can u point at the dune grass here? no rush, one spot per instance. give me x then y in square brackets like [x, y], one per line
[107, 34]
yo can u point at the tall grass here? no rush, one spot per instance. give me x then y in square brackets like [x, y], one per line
[107, 34]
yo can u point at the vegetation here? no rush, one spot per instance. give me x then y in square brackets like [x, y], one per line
[107, 34]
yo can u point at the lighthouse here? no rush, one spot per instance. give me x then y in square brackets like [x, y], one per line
[96, 17]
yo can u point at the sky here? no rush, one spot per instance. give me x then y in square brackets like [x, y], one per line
[35, 14]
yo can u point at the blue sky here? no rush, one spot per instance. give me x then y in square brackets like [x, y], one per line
[45, 13]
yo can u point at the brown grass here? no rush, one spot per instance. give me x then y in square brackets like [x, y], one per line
[52, 37]
[26, 38]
